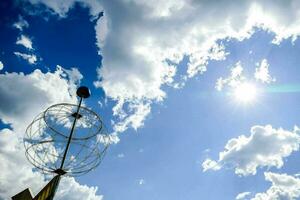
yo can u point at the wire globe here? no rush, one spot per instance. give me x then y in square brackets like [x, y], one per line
[47, 136]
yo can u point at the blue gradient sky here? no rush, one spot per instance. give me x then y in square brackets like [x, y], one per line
[190, 125]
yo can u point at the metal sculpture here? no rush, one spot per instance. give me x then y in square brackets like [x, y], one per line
[65, 139]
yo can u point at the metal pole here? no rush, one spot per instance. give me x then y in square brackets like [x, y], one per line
[71, 133]
[82, 92]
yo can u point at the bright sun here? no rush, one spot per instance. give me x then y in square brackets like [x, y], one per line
[245, 92]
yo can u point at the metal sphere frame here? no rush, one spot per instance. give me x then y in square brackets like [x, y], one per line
[66, 107]
[65, 139]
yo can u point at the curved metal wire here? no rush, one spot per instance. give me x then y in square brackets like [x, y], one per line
[46, 137]
[54, 116]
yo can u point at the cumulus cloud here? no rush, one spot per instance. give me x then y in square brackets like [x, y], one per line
[21, 24]
[70, 189]
[30, 58]
[262, 72]
[284, 187]
[102, 30]
[137, 38]
[265, 147]
[16, 172]
[138, 42]
[242, 196]
[25, 41]
[35, 92]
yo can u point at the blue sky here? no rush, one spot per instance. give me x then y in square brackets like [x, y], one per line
[153, 77]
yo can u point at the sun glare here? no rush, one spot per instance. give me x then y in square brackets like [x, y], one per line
[245, 92]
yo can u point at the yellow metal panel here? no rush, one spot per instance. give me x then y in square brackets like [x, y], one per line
[24, 195]
[47, 193]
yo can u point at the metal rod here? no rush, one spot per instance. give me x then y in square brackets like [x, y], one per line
[71, 133]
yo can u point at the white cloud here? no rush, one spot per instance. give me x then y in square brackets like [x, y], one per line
[242, 196]
[21, 24]
[235, 78]
[210, 164]
[284, 187]
[30, 58]
[112, 138]
[25, 41]
[136, 38]
[74, 74]
[161, 8]
[62, 7]
[138, 42]
[70, 189]
[141, 181]
[1, 65]
[136, 119]
[265, 147]
[59, 7]
[262, 72]
[101, 29]
[16, 172]
[22, 98]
